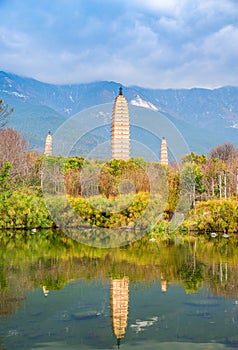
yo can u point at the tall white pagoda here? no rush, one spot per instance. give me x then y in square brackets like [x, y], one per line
[120, 128]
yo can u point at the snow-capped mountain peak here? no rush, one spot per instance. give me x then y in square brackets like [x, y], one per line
[138, 101]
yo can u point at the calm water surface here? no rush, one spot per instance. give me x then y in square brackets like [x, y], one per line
[58, 294]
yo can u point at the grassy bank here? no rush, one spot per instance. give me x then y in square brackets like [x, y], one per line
[26, 208]
[213, 215]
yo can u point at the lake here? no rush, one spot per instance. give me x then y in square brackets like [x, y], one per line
[59, 294]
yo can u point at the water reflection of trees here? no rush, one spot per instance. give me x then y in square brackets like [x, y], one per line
[50, 259]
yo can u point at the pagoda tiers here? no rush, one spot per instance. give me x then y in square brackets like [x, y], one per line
[120, 128]
[48, 145]
[164, 152]
[119, 300]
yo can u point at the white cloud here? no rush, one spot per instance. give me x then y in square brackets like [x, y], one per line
[212, 7]
[222, 43]
[153, 43]
[11, 39]
[186, 8]
[170, 7]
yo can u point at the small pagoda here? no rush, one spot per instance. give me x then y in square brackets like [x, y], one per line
[48, 145]
[164, 152]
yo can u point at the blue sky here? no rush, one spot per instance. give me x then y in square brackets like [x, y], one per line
[150, 43]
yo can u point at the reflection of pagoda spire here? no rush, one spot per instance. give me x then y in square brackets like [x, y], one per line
[45, 291]
[163, 283]
[119, 299]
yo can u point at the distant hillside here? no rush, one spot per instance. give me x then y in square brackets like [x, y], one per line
[204, 117]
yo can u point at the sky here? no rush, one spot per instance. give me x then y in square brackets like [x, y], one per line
[148, 43]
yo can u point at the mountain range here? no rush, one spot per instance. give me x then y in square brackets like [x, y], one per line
[205, 117]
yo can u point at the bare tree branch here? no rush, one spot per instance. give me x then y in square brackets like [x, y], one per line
[4, 113]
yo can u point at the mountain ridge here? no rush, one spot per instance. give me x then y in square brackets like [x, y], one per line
[205, 117]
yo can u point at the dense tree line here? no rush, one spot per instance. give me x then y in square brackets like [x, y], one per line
[197, 178]
[215, 175]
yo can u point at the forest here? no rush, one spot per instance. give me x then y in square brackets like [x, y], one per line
[116, 193]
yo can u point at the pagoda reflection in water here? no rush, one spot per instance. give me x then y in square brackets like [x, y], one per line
[119, 302]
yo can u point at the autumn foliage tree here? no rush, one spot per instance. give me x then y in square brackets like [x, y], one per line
[120, 176]
[226, 152]
[14, 149]
[228, 178]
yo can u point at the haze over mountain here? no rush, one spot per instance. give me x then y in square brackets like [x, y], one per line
[204, 117]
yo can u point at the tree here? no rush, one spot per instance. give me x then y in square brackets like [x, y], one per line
[4, 113]
[226, 152]
[120, 176]
[191, 181]
[15, 150]
[4, 179]
[173, 194]
[212, 170]
[194, 158]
